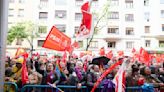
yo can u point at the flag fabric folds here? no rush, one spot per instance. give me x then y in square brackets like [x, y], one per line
[85, 28]
[56, 40]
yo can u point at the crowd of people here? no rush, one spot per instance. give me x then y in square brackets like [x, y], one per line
[74, 72]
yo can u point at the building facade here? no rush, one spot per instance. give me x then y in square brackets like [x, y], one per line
[129, 24]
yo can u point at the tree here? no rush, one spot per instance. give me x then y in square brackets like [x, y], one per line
[100, 16]
[21, 31]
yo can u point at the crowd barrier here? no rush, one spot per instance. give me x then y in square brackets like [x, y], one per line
[59, 88]
[10, 87]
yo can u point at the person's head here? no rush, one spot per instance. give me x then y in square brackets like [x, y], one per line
[135, 68]
[96, 68]
[79, 64]
[29, 67]
[49, 67]
[62, 65]
[145, 71]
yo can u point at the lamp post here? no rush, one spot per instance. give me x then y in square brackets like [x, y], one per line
[3, 34]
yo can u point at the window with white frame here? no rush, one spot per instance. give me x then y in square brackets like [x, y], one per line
[129, 44]
[129, 3]
[40, 43]
[21, 1]
[43, 15]
[162, 13]
[163, 27]
[11, 12]
[129, 17]
[147, 16]
[146, 2]
[113, 15]
[147, 43]
[147, 29]
[21, 13]
[114, 2]
[78, 16]
[60, 13]
[80, 44]
[60, 2]
[42, 29]
[76, 29]
[111, 44]
[94, 44]
[19, 41]
[161, 44]
[129, 31]
[61, 27]
[113, 30]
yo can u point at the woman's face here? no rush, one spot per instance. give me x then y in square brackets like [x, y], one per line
[147, 71]
[49, 67]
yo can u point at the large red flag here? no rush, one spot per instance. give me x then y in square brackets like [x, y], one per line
[56, 40]
[85, 27]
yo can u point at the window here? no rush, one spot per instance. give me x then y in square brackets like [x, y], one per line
[147, 16]
[113, 30]
[129, 17]
[60, 2]
[94, 44]
[43, 3]
[146, 2]
[19, 42]
[40, 43]
[129, 3]
[78, 16]
[114, 2]
[42, 29]
[43, 15]
[60, 14]
[21, 1]
[147, 29]
[147, 43]
[11, 12]
[76, 29]
[162, 13]
[61, 27]
[162, 1]
[80, 44]
[21, 13]
[12, 1]
[163, 27]
[113, 15]
[129, 31]
[161, 44]
[111, 44]
[129, 45]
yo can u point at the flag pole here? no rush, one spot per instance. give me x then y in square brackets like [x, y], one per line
[3, 33]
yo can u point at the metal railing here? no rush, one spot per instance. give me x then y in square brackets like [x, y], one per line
[10, 87]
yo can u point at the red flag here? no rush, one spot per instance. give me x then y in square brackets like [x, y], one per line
[85, 6]
[102, 51]
[120, 53]
[133, 50]
[85, 27]
[75, 45]
[109, 54]
[24, 72]
[56, 40]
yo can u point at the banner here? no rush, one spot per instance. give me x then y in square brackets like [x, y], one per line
[56, 40]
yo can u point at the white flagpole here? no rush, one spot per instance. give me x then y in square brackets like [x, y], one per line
[3, 33]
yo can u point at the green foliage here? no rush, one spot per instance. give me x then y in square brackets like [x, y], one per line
[21, 30]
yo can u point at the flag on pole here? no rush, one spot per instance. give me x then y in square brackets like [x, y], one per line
[57, 40]
[119, 79]
[24, 71]
[86, 26]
